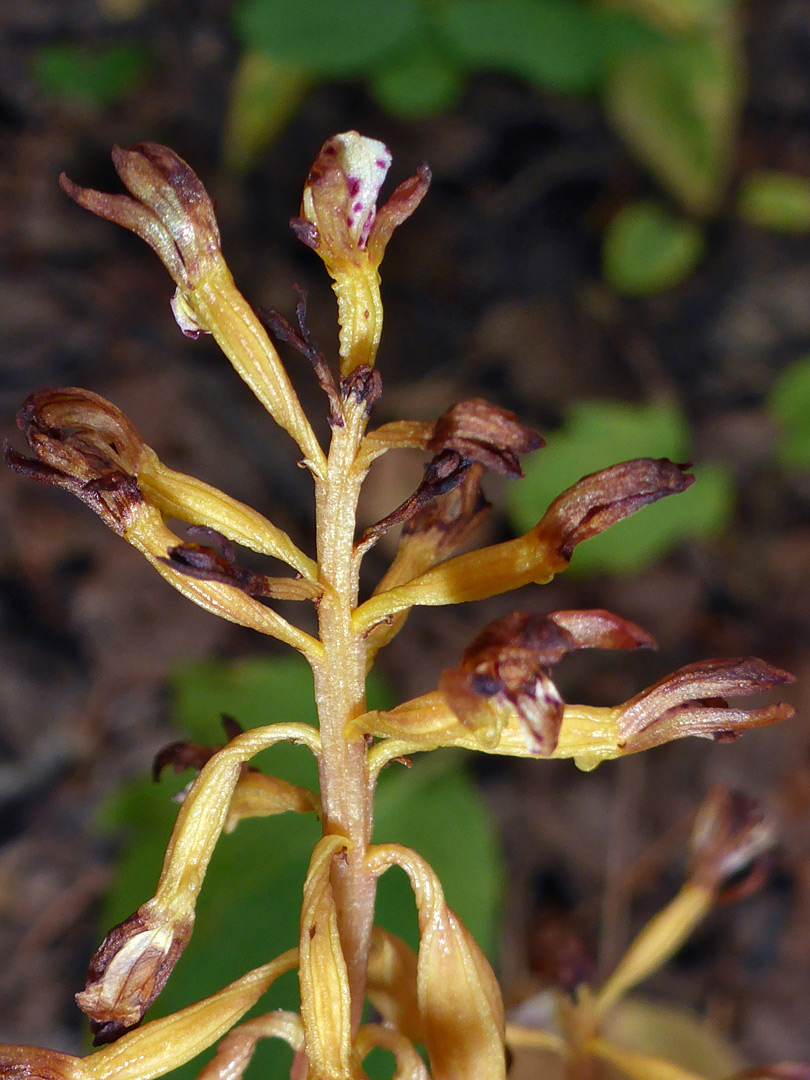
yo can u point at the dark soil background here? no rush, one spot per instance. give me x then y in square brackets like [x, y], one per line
[493, 288]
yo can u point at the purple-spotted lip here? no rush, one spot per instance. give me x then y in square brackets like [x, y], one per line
[365, 163]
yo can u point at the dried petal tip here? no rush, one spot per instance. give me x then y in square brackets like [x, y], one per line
[598, 501]
[85, 445]
[691, 701]
[730, 834]
[484, 433]
[129, 970]
[169, 209]
[36, 1063]
[503, 671]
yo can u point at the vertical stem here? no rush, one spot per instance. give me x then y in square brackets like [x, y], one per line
[346, 787]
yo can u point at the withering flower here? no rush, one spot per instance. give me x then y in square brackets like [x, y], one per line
[130, 968]
[692, 701]
[504, 671]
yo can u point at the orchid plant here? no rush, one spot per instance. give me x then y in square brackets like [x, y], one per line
[500, 697]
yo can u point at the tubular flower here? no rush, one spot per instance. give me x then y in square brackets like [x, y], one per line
[730, 834]
[159, 1046]
[325, 994]
[458, 998]
[340, 220]
[133, 962]
[585, 509]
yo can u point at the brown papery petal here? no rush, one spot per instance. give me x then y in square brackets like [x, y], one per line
[404, 199]
[171, 209]
[601, 499]
[730, 834]
[486, 434]
[130, 968]
[698, 684]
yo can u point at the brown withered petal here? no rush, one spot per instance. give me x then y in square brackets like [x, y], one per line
[205, 564]
[37, 1063]
[503, 669]
[171, 209]
[182, 755]
[404, 199]
[702, 688]
[601, 499]
[75, 417]
[443, 473]
[86, 446]
[129, 969]
[730, 835]
[486, 434]
[303, 342]
[362, 384]
[446, 522]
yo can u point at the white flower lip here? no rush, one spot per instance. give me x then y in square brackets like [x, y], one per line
[366, 163]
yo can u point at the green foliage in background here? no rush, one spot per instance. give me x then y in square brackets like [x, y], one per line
[597, 434]
[251, 898]
[94, 77]
[647, 249]
[789, 406]
[775, 200]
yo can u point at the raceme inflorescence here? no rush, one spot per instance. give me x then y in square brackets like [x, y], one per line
[438, 1010]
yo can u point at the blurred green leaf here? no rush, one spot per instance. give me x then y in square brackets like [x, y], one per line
[417, 80]
[789, 406]
[328, 40]
[554, 43]
[263, 96]
[676, 105]
[602, 433]
[646, 249]
[91, 76]
[249, 905]
[776, 200]
[681, 14]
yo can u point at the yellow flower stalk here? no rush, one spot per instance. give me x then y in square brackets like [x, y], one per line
[499, 697]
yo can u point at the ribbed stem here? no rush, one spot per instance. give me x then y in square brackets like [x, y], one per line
[345, 783]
